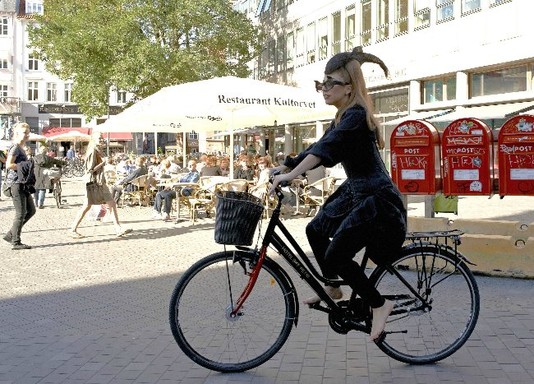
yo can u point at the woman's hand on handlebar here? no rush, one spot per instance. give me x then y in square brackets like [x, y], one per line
[280, 179]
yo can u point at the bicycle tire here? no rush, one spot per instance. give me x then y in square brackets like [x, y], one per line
[57, 193]
[199, 309]
[416, 336]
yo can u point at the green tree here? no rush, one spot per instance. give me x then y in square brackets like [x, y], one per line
[140, 46]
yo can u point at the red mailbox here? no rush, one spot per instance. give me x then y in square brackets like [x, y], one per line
[516, 156]
[415, 165]
[466, 151]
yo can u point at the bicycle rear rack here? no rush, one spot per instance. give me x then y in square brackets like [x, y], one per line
[449, 240]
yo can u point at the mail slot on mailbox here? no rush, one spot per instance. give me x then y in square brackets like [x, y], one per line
[516, 156]
[415, 165]
[467, 158]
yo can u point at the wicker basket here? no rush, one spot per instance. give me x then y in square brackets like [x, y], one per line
[236, 217]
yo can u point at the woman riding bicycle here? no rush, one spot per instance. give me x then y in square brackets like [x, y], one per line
[367, 209]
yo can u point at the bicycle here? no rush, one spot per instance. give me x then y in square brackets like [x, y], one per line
[56, 190]
[233, 310]
[74, 168]
[54, 174]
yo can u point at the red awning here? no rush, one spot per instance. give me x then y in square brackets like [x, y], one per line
[118, 136]
[113, 136]
[53, 131]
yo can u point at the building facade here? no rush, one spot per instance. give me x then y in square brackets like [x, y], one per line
[28, 92]
[447, 58]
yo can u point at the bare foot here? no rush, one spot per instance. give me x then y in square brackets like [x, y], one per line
[380, 315]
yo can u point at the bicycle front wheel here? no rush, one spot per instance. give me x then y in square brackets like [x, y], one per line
[57, 193]
[200, 309]
[417, 334]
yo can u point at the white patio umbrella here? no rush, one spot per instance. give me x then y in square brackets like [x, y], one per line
[73, 136]
[223, 103]
[36, 137]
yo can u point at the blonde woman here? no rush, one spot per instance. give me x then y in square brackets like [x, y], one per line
[21, 179]
[94, 172]
[367, 209]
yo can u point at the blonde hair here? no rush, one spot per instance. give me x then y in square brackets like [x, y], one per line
[352, 73]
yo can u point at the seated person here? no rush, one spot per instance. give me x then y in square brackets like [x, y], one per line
[126, 183]
[224, 166]
[245, 170]
[163, 200]
[211, 168]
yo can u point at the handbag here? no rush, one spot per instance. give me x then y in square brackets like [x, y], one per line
[95, 193]
[6, 189]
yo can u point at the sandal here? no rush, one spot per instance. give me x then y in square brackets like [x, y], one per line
[76, 235]
[124, 232]
[334, 292]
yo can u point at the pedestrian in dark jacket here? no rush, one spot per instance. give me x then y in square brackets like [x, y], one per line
[42, 163]
[21, 180]
[367, 209]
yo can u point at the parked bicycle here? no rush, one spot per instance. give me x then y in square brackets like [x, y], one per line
[74, 168]
[233, 310]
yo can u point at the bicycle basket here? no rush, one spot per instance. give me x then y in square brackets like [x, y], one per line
[53, 173]
[237, 215]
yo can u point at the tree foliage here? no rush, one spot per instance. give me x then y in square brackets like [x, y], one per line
[140, 46]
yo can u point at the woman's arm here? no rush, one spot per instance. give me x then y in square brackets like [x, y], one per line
[309, 162]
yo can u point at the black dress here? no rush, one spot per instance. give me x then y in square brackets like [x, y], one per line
[365, 211]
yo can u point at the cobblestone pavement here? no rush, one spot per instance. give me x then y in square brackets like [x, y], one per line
[95, 310]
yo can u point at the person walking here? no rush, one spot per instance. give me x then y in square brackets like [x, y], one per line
[367, 209]
[94, 173]
[21, 179]
[43, 162]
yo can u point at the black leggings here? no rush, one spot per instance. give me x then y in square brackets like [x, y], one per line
[335, 258]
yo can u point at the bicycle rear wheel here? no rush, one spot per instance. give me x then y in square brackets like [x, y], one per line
[200, 309]
[417, 335]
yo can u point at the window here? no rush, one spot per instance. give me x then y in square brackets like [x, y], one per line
[300, 45]
[506, 80]
[33, 63]
[401, 17]
[33, 90]
[34, 7]
[4, 26]
[445, 10]
[4, 90]
[68, 93]
[310, 43]
[280, 54]
[271, 54]
[51, 92]
[65, 122]
[121, 97]
[350, 28]
[441, 89]
[323, 38]
[392, 101]
[421, 14]
[290, 50]
[336, 33]
[193, 135]
[366, 22]
[3, 64]
[470, 6]
[382, 20]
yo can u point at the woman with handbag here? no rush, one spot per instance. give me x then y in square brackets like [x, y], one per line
[20, 180]
[97, 191]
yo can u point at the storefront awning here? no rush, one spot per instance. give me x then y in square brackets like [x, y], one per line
[424, 115]
[487, 112]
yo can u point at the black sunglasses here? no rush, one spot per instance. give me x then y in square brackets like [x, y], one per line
[328, 84]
